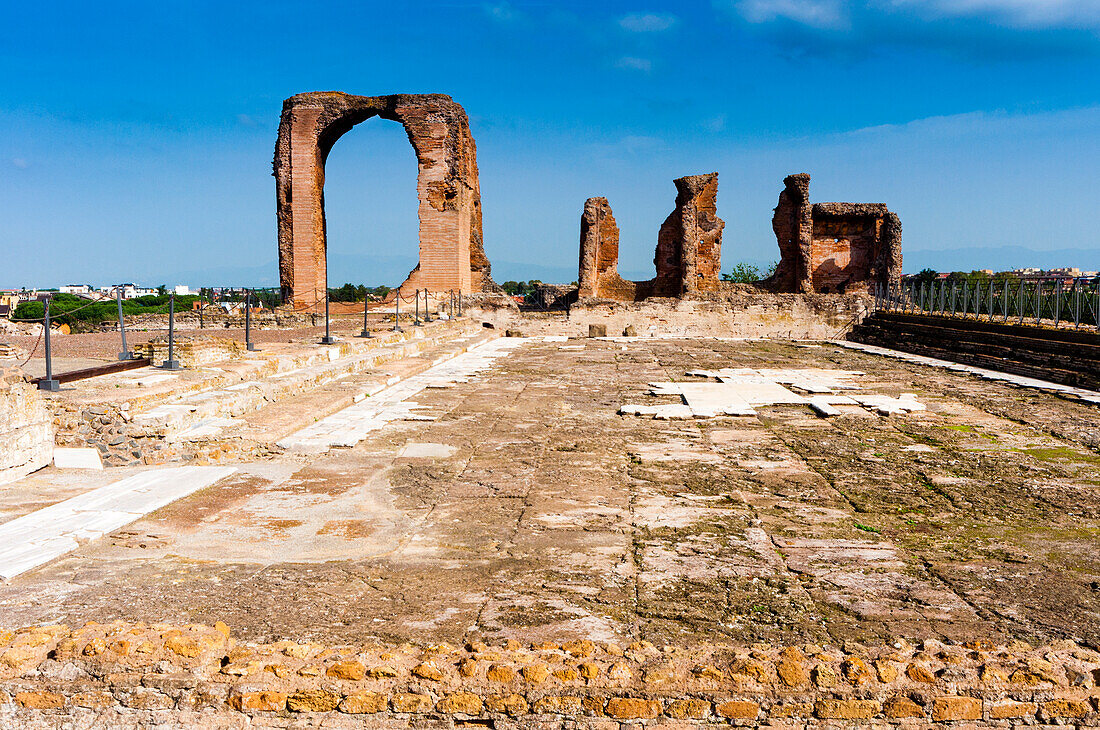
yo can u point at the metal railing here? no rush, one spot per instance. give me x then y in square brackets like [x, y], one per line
[1048, 300]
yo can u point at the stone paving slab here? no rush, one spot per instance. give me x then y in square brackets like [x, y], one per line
[550, 517]
[41, 536]
[349, 426]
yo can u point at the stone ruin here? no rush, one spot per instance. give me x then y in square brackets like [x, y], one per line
[832, 247]
[451, 251]
[824, 247]
[689, 247]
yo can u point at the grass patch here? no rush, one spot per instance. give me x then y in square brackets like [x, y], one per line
[868, 528]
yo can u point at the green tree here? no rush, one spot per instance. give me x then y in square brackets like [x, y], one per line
[743, 273]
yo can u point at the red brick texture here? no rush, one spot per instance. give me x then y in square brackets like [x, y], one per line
[451, 252]
[832, 247]
[688, 257]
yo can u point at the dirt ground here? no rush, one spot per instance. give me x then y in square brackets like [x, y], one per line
[531, 510]
[74, 351]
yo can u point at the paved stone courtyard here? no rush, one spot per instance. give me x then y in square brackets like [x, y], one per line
[529, 509]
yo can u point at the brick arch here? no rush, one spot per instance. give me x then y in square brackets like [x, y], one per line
[452, 255]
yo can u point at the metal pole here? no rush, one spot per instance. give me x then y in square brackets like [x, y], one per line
[248, 345]
[200, 309]
[328, 339]
[427, 314]
[397, 312]
[171, 363]
[1057, 302]
[1076, 303]
[416, 299]
[459, 302]
[1039, 301]
[1096, 306]
[48, 383]
[366, 332]
[125, 354]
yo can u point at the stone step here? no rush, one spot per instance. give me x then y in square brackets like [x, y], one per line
[190, 415]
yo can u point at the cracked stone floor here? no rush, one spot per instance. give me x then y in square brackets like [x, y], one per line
[529, 509]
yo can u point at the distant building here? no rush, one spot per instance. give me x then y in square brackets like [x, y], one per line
[75, 289]
[182, 290]
[129, 291]
[987, 272]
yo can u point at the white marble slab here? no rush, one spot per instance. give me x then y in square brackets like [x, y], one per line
[43, 535]
[351, 425]
[81, 458]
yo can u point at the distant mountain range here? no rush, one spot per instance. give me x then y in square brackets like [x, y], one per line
[373, 270]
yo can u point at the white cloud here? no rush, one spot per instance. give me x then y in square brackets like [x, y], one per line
[633, 63]
[647, 22]
[246, 121]
[1016, 13]
[814, 13]
[20, 163]
[502, 11]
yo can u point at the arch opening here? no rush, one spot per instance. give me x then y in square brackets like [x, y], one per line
[451, 254]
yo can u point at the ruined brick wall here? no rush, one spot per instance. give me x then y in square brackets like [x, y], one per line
[451, 248]
[689, 244]
[132, 675]
[832, 247]
[688, 257]
[598, 275]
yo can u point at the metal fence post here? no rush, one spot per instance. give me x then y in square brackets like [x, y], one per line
[248, 345]
[171, 363]
[397, 312]
[459, 302]
[328, 339]
[416, 300]
[1039, 301]
[1057, 302]
[48, 383]
[1096, 305]
[427, 314]
[366, 332]
[125, 354]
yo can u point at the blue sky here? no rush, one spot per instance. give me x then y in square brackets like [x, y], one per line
[136, 138]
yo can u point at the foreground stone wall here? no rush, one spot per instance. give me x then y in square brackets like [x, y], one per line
[737, 310]
[832, 247]
[191, 351]
[130, 675]
[451, 252]
[26, 427]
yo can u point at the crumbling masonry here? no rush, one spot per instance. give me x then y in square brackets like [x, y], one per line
[451, 251]
[689, 247]
[832, 247]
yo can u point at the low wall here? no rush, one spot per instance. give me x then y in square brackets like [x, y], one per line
[26, 427]
[737, 311]
[131, 675]
[1067, 356]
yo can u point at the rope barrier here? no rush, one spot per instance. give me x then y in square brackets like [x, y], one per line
[35, 348]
